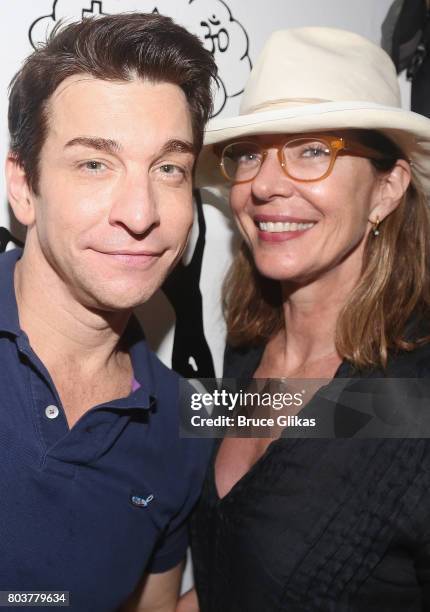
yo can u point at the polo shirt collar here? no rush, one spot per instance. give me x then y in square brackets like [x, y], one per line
[9, 320]
[141, 358]
[145, 397]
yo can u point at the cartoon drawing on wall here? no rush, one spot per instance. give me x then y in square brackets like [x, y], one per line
[211, 20]
[62, 11]
[191, 356]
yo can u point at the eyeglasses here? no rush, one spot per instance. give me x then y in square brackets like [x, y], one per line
[302, 159]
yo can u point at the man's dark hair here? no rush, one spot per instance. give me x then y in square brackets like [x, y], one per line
[118, 47]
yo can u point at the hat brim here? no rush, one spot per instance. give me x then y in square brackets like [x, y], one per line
[409, 130]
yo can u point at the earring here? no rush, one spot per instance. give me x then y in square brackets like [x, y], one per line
[375, 224]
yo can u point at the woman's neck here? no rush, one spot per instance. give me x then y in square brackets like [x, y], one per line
[311, 312]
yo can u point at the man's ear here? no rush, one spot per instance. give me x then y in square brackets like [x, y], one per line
[391, 189]
[20, 196]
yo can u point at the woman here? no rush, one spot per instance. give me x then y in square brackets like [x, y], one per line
[328, 180]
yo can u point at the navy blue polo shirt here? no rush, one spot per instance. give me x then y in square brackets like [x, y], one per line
[89, 509]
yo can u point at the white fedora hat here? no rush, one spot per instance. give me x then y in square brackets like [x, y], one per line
[310, 79]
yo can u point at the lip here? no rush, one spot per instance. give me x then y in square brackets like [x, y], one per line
[138, 259]
[280, 236]
[276, 237]
[281, 218]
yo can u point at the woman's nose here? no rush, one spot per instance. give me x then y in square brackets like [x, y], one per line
[271, 180]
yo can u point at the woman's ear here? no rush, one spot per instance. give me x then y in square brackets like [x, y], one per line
[20, 196]
[391, 189]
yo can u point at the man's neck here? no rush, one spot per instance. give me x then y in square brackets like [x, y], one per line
[60, 329]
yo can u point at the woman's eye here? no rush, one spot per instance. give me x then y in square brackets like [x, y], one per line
[246, 158]
[317, 151]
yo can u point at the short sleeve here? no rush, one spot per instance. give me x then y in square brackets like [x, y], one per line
[172, 546]
[181, 465]
[170, 550]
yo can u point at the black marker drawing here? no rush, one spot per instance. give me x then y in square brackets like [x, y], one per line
[191, 356]
[96, 9]
[5, 238]
[220, 40]
[211, 20]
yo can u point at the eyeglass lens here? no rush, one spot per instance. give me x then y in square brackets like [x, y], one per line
[303, 158]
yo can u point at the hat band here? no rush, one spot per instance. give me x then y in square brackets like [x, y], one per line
[282, 103]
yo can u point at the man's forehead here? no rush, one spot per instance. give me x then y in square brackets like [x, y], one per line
[72, 81]
[116, 108]
[85, 81]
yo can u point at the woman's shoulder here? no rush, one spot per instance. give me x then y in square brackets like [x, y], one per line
[413, 363]
[242, 361]
[410, 364]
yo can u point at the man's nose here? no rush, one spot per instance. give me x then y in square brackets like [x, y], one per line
[136, 206]
[271, 180]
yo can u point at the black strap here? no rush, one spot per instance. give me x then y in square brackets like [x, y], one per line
[6, 237]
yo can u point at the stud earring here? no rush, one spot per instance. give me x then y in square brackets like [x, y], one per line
[375, 224]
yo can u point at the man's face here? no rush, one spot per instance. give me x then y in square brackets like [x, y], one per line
[114, 208]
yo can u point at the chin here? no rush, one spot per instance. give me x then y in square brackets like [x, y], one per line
[278, 271]
[118, 299]
[294, 277]
[112, 305]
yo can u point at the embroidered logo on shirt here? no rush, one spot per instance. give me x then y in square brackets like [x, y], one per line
[141, 502]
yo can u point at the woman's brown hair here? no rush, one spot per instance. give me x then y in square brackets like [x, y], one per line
[393, 287]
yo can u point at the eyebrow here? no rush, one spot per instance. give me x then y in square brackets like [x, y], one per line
[178, 146]
[112, 146]
[100, 144]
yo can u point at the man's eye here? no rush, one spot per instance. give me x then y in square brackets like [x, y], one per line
[93, 166]
[171, 169]
[171, 173]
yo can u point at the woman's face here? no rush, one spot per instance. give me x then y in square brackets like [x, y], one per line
[329, 218]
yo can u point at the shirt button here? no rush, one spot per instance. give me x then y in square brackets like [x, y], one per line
[52, 412]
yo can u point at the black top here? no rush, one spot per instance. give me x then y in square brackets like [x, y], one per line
[320, 524]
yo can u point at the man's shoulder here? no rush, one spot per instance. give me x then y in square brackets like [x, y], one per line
[8, 309]
[165, 381]
[161, 369]
[190, 454]
[149, 371]
[8, 260]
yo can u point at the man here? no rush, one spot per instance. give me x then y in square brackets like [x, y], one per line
[105, 121]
